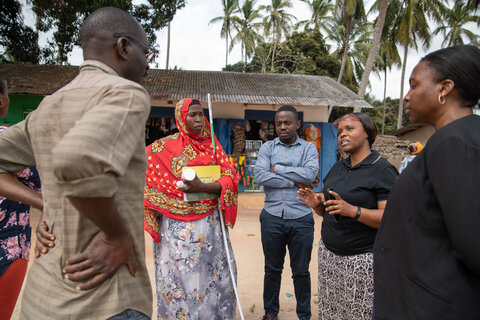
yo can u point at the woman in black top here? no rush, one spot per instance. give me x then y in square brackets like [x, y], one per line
[361, 184]
[427, 252]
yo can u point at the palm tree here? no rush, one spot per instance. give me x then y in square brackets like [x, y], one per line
[356, 44]
[413, 26]
[473, 4]
[230, 7]
[246, 25]
[388, 55]
[360, 44]
[377, 35]
[321, 14]
[351, 12]
[453, 28]
[277, 22]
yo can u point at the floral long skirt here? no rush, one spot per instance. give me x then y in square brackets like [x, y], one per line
[345, 285]
[192, 276]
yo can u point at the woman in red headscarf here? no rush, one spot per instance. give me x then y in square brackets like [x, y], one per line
[191, 269]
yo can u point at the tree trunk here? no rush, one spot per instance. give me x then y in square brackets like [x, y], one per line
[60, 53]
[374, 48]
[344, 58]
[274, 46]
[244, 58]
[384, 100]
[245, 63]
[400, 105]
[168, 45]
[226, 51]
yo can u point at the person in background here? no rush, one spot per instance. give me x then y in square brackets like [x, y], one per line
[284, 164]
[414, 148]
[354, 195]
[87, 141]
[22, 191]
[4, 99]
[427, 257]
[191, 268]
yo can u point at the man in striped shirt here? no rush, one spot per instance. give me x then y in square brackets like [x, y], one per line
[87, 141]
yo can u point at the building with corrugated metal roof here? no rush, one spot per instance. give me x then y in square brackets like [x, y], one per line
[232, 93]
[250, 99]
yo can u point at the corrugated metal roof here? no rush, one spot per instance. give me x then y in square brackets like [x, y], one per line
[36, 79]
[232, 87]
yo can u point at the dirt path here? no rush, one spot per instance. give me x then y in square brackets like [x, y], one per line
[247, 248]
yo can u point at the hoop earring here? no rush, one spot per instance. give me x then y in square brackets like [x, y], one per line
[441, 98]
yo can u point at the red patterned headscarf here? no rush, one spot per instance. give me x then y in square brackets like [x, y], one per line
[166, 158]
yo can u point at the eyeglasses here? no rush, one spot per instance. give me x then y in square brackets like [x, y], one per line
[150, 55]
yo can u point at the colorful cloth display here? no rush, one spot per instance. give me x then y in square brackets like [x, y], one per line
[238, 138]
[313, 135]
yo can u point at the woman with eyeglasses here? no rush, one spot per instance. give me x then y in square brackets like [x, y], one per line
[354, 196]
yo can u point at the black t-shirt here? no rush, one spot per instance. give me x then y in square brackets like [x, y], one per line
[427, 251]
[363, 185]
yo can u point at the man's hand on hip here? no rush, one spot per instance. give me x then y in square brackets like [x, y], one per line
[100, 261]
[108, 250]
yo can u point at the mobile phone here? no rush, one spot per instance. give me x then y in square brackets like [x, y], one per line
[328, 196]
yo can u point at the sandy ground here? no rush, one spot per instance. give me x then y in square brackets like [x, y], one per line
[247, 248]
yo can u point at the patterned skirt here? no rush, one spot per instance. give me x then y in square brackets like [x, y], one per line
[345, 285]
[191, 271]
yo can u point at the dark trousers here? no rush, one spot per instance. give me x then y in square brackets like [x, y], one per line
[129, 314]
[277, 235]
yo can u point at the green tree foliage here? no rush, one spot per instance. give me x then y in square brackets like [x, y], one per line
[19, 42]
[311, 54]
[277, 23]
[350, 13]
[387, 55]
[391, 113]
[301, 53]
[454, 28]
[247, 26]
[321, 14]
[352, 49]
[230, 7]
[155, 14]
[412, 29]
[473, 4]
[375, 46]
[65, 18]
[241, 67]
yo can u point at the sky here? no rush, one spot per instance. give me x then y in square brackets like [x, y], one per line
[196, 45]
